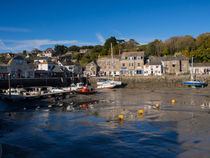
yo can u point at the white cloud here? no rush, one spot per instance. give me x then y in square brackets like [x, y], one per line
[13, 29]
[100, 38]
[19, 45]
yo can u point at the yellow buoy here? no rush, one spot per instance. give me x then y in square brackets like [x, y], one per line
[141, 112]
[120, 117]
[173, 101]
[157, 105]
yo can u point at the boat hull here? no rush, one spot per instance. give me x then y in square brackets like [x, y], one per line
[195, 83]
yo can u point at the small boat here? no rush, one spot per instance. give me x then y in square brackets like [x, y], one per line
[107, 85]
[86, 90]
[54, 90]
[195, 83]
[14, 94]
[74, 87]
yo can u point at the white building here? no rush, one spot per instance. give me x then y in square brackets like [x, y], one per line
[152, 70]
[46, 65]
[153, 67]
[200, 68]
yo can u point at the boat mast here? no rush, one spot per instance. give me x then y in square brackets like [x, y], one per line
[112, 61]
[192, 74]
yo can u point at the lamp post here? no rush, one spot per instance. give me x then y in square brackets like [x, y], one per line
[9, 75]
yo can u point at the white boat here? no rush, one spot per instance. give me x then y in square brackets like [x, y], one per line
[74, 87]
[106, 85]
[107, 82]
[14, 94]
[53, 90]
[193, 82]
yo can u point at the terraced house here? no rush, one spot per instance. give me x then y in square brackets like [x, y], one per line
[109, 66]
[132, 63]
[175, 65]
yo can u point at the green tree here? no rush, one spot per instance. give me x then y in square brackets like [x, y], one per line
[60, 49]
[74, 48]
[107, 44]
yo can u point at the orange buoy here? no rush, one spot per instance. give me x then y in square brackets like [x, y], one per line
[173, 101]
[141, 112]
[120, 117]
[83, 105]
[157, 105]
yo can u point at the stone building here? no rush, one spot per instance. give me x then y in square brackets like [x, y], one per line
[132, 63]
[19, 68]
[4, 71]
[91, 69]
[175, 65]
[109, 66]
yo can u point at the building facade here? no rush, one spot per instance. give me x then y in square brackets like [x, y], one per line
[91, 69]
[132, 63]
[19, 68]
[109, 66]
[175, 65]
[200, 68]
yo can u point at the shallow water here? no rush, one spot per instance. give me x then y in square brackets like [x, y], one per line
[61, 128]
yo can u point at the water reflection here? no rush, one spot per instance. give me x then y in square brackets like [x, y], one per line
[56, 128]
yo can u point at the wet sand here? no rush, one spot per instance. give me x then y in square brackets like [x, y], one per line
[64, 126]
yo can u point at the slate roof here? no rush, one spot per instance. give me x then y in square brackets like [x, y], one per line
[201, 64]
[124, 54]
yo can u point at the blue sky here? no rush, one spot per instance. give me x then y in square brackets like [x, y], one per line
[28, 24]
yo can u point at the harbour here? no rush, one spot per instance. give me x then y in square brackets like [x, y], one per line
[64, 126]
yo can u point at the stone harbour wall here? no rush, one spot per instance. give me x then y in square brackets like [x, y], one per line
[156, 81]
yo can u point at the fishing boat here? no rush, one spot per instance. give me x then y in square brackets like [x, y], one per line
[86, 90]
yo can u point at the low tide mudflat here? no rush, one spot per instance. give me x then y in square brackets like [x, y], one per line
[88, 126]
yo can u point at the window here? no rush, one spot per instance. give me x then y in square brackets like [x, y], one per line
[134, 58]
[138, 71]
[173, 65]
[139, 58]
[126, 58]
[123, 64]
[139, 64]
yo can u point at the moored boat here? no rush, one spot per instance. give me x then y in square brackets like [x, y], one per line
[86, 90]
[195, 83]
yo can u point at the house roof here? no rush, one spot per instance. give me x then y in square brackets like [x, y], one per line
[133, 53]
[108, 57]
[201, 64]
[57, 69]
[154, 60]
[17, 57]
[169, 58]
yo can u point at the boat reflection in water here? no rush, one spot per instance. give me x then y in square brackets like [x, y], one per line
[66, 127]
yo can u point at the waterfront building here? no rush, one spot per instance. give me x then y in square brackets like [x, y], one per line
[91, 69]
[132, 63]
[200, 68]
[175, 65]
[20, 68]
[108, 65]
[46, 65]
[74, 70]
[153, 67]
[4, 71]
